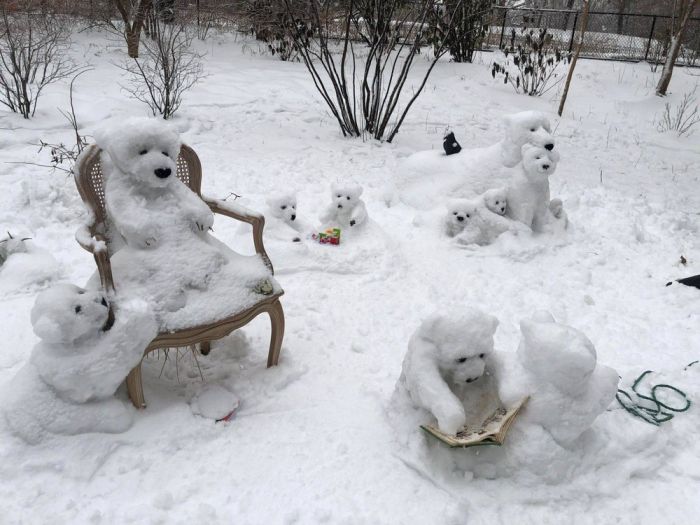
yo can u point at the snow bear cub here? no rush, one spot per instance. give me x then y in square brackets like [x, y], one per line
[492, 212]
[346, 208]
[286, 226]
[446, 370]
[528, 193]
[462, 220]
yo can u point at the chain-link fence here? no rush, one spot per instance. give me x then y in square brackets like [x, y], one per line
[609, 36]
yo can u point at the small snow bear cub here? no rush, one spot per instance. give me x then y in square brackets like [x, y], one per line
[446, 370]
[144, 199]
[283, 207]
[68, 314]
[493, 211]
[463, 221]
[528, 193]
[346, 208]
[556, 365]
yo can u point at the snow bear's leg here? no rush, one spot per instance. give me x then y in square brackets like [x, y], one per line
[359, 214]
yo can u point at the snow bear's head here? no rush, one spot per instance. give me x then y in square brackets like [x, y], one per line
[345, 197]
[526, 127]
[461, 212]
[538, 163]
[145, 149]
[283, 206]
[67, 313]
[495, 200]
[556, 206]
[555, 353]
[464, 342]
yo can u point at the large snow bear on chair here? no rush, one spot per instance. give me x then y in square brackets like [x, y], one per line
[430, 175]
[445, 370]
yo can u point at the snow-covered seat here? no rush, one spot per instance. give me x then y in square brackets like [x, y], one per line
[98, 241]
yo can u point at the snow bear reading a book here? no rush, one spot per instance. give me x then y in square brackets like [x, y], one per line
[446, 371]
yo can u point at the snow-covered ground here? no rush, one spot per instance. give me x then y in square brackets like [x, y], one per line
[311, 441]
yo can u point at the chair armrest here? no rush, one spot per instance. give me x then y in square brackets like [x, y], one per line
[97, 246]
[243, 214]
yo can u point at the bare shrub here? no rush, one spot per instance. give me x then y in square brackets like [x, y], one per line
[680, 118]
[531, 62]
[468, 29]
[33, 54]
[168, 67]
[362, 83]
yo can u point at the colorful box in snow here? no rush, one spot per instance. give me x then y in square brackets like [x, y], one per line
[330, 236]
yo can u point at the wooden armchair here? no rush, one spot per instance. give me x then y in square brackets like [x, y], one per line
[96, 238]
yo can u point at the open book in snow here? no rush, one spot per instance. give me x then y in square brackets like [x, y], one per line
[491, 432]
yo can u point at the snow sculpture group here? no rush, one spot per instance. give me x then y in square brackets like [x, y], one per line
[170, 271]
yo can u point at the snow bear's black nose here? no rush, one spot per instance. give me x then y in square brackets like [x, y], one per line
[549, 147]
[545, 166]
[103, 302]
[162, 173]
[460, 219]
[340, 205]
[472, 379]
[294, 217]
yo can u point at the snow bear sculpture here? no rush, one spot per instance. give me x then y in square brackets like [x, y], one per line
[68, 384]
[346, 208]
[493, 216]
[169, 259]
[446, 370]
[462, 214]
[429, 175]
[528, 192]
[556, 365]
[285, 223]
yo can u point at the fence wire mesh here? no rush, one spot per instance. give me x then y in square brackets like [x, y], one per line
[609, 36]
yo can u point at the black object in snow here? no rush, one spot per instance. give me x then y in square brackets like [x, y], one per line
[450, 144]
[688, 281]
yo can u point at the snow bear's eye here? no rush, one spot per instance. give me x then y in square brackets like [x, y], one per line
[78, 309]
[481, 356]
[468, 215]
[348, 197]
[454, 213]
[532, 129]
[339, 196]
[165, 153]
[81, 292]
[538, 158]
[462, 360]
[143, 152]
[283, 207]
[497, 203]
[294, 207]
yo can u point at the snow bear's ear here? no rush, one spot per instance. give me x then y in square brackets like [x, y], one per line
[546, 125]
[491, 324]
[355, 191]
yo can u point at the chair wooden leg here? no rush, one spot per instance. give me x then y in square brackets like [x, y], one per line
[277, 325]
[205, 347]
[135, 388]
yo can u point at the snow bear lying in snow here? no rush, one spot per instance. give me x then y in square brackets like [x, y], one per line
[556, 365]
[346, 208]
[169, 258]
[73, 372]
[482, 220]
[528, 192]
[432, 174]
[446, 370]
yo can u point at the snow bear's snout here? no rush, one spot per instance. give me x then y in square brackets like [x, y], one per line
[163, 173]
[460, 218]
